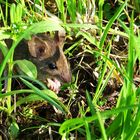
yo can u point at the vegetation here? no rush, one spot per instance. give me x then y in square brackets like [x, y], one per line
[102, 45]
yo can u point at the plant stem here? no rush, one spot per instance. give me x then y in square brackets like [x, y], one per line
[9, 82]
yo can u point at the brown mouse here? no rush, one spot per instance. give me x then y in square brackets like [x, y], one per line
[48, 56]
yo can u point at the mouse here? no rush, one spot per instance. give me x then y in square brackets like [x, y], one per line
[46, 53]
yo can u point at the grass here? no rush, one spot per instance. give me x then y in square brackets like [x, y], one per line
[102, 45]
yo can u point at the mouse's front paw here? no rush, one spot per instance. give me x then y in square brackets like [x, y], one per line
[53, 84]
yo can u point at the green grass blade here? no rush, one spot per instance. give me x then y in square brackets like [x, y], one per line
[3, 48]
[129, 92]
[90, 104]
[101, 2]
[41, 94]
[89, 37]
[87, 128]
[13, 13]
[24, 91]
[111, 21]
[61, 8]
[104, 136]
[113, 128]
[19, 13]
[72, 124]
[135, 126]
[40, 84]
[101, 86]
[71, 6]
[27, 99]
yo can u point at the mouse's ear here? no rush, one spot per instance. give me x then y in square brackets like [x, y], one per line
[37, 47]
[60, 37]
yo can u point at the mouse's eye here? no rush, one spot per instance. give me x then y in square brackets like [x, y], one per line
[52, 66]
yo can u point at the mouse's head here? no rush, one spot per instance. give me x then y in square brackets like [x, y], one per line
[47, 54]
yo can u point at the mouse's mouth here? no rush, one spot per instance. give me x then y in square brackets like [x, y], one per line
[53, 84]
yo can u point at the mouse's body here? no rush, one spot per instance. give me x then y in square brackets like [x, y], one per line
[48, 56]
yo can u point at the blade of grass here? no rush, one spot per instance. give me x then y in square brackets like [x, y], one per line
[42, 86]
[113, 127]
[90, 104]
[90, 26]
[134, 126]
[2, 16]
[19, 13]
[71, 6]
[23, 91]
[27, 99]
[6, 14]
[61, 8]
[89, 37]
[41, 94]
[101, 2]
[98, 89]
[101, 126]
[88, 132]
[72, 124]
[97, 95]
[13, 13]
[111, 21]
[129, 92]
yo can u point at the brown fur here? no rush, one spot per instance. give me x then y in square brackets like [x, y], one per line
[48, 56]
